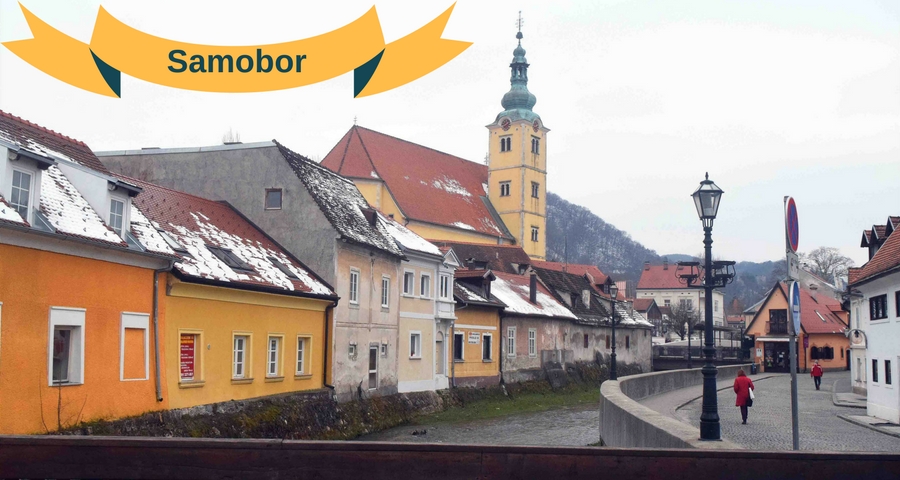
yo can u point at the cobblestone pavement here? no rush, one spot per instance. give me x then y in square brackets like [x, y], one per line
[570, 426]
[769, 423]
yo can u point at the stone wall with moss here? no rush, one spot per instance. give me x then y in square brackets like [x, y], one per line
[318, 416]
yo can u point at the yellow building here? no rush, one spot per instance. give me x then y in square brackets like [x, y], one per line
[475, 359]
[441, 196]
[244, 318]
[517, 162]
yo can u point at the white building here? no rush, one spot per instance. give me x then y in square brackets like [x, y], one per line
[660, 283]
[875, 321]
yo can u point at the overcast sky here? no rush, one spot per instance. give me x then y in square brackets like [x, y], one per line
[773, 98]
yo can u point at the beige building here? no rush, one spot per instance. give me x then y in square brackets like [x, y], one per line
[661, 283]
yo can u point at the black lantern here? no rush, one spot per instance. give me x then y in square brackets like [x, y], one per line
[706, 199]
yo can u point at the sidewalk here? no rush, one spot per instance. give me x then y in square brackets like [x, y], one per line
[842, 396]
[667, 403]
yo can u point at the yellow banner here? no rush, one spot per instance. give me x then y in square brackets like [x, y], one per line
[116, 48]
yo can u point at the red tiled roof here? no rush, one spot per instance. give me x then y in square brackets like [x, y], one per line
[500, 258]
[887, 258]
[734, 318]
[26, 134]
[659, 276]
[866, 238]
[642, 304]
[466, 273]
[879, 231]
[196, 222]
[817, 312]
[428, 185]
[577, 269]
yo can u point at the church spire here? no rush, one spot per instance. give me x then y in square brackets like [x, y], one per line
[518, 96]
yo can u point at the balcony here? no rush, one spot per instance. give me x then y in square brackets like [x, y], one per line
[775, 328]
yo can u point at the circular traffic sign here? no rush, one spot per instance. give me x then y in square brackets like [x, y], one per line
[792, 225]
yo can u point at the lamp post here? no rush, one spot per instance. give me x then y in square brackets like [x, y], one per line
[714, 275]
[613, 292]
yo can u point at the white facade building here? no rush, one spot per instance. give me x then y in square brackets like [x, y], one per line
[660, 283]
[875, 322]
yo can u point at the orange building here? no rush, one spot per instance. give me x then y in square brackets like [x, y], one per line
[78, 314]
[821, 338]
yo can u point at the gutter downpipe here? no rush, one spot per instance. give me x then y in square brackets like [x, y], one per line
[328, 309]
[157, 378]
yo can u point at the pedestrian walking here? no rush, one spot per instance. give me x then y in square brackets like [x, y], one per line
[816, 373]
[742, 387]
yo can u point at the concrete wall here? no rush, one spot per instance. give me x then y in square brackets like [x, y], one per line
[240, 175]
[626, 423]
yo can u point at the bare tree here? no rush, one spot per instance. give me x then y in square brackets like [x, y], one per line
[231, 136]
[826, 262]
[680, 318]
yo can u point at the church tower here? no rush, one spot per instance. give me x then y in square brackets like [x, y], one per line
[517, 161]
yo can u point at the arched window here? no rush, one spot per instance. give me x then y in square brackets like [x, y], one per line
[814, 353]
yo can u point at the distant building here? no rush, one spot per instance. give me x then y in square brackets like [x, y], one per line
[822, 336]
[874, 290]
[648, 309]
[660, 283]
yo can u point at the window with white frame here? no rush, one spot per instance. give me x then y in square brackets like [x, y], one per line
[239, 362]
[874, 370]
[385, 291]
[887, 373]
[20, 197]
[532, 342]
[134, 347]
[878, 307]
[273, 199]
[504, 189]
[511, 341]
[415, 344]
[302, 347]
[445, 287]
[116, 215]
[66, 349]
[190, 368]
[535, 189]
[686, 304]
[425, 286]
[409, 283]
[534, 233]
[535, 145]
[487, 353]
[354, 285]
[273, 357]
[505, 144]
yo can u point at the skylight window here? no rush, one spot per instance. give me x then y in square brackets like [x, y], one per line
[284, 269]
[230, 259]
[170, 240]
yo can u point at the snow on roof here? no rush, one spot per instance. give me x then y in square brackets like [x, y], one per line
[33, 137]
[513, 290]
[406, 238]
[195, 224]
[69, 212]
[9, 214]
[630, 319]
[427, 185]
[466, 294]
[341, 202]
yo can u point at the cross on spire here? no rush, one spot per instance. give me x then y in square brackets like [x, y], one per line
[520, 21]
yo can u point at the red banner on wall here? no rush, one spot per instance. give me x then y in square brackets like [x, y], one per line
[187, 357]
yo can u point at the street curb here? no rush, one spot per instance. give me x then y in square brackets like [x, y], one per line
[839, 403]
[719, 390]
[863, 424]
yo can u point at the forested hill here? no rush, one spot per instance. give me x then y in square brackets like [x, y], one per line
[592, 241]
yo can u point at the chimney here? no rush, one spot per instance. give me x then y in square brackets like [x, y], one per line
[646, 265]
[532, 288]
[666, 263]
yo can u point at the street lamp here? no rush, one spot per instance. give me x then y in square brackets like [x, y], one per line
[714, 275]
[613, 292]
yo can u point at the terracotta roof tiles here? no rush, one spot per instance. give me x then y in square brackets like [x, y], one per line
[886, 259]
[455, 188]
[25, 134]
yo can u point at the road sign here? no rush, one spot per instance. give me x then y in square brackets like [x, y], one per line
[795, 306]
[793, 266]
[791, 225]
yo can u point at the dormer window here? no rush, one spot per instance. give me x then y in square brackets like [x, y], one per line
[229, 258]
[116, 215]
[20, 197]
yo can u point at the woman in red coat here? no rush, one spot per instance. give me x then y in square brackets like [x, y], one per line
[742, 387]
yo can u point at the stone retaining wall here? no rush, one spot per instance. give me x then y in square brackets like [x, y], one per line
[626, 423]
